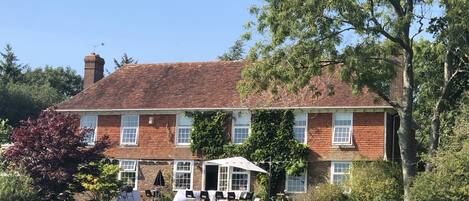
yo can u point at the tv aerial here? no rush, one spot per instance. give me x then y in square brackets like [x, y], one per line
[97, 45]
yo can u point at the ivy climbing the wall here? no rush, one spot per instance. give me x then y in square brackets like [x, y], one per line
[271, 139]
[209, 133]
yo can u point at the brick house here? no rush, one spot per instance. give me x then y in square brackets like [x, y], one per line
[141, 108]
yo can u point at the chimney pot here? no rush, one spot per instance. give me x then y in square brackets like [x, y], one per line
[94, 69]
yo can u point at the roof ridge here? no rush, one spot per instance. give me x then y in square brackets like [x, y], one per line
[184, 62]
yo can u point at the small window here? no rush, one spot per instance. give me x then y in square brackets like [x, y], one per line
[241, 126]
[239, 179]
[296, 184]
[183, 171]
[340, 172]
[300, 126]
[128, 172]
[129, 129]
[90, 123]
[184, 127]
[342, 133]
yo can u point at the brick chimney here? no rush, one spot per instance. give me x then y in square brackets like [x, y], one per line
[94, 69]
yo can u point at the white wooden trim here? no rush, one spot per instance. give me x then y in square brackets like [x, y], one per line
[95, 129]
[233, 125]
[176, 137]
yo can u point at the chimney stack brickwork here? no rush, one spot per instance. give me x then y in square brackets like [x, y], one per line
[94, 69]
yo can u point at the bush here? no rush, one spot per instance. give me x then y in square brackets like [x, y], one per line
[16, 187]
[377, 180]
[99, 180]
[449, 179]
[323, 192]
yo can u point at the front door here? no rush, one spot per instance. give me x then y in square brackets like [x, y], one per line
[211, 177]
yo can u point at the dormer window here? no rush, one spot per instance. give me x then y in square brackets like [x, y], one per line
[241, 126]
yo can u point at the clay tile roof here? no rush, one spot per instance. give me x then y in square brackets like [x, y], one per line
[201, 85]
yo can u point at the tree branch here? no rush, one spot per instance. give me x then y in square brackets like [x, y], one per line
[386, 98]
[397, 7]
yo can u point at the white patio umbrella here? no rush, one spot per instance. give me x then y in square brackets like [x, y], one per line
[238, 162]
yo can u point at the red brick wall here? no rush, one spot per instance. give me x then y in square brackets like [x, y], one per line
[368, 137]
[154, 141]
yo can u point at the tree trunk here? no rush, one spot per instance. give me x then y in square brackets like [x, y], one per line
[434, 136]
[407, 142]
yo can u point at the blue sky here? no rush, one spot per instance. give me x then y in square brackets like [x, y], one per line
[61, 33]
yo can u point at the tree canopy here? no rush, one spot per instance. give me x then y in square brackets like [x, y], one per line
[52, 138]
[125, 59]
[235, 52]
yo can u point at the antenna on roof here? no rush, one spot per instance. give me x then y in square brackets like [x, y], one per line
[97, 45]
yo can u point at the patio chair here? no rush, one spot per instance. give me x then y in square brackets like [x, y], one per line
[190, 195]
[219, 196]
[246, 196]
[150, 194]
[231, 196]
[204, 195]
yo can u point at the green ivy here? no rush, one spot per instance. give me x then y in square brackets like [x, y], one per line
[209, 133]
[271, 139]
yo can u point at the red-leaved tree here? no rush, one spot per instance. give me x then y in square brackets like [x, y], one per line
[50, 149]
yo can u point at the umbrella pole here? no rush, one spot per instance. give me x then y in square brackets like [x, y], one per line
[269, 190]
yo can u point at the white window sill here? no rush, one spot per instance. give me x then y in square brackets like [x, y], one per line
[343, 146]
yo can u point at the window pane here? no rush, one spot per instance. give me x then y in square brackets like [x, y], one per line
[239, 182]
[184, 120]
[296, 183]
[223, 178]
[342, 134]
[89, 123]
[130, 121]
[182, 175]
[129, 135]
[341, 167]
[128, 165]
[339, 179]
[299, 134]
[128, 178]
[242, 118]
[240, 135]
[184, 135]
[183, 166]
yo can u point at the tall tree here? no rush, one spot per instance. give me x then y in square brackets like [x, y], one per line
[452, 40]
[50, 150]
[302, 38]
[64, 79]
[10, 70]
[125, 59]
[236, 52]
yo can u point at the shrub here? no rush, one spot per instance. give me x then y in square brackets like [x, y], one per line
[323, 192]
[99, 180]
[50, 149]
[16, 187]
[377, 180]
[449, 179]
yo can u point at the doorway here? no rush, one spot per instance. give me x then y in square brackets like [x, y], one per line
[211, 177]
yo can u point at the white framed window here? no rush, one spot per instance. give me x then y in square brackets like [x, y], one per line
[241, 126]
[129, 129]
[239, 179]
[340, 172]
[300, 127]
[182, 175]
[89, 122]
[183, 130]
[296, 183]
[128, 172]
[222, 178]
[342, 131]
